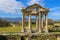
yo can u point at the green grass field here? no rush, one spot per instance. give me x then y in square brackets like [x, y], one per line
[18, 29]
[10, 29]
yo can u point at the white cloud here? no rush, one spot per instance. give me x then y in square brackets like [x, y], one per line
[10, 6]
[41, 2]
[56, 13]
[55, 8]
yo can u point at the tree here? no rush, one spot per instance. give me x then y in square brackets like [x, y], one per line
[4, 23]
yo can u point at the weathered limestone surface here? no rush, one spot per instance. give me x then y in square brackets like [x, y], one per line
[38, 11]
[46, 20]
[22, 23]
[29, 25]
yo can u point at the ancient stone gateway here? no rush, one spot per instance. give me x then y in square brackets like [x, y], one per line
[37, 11]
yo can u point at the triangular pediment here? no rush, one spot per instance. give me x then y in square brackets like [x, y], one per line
[29, 8]
[34, 9]
[34, 5]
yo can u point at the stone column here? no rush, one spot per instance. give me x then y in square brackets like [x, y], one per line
[37, 24]
[23, 23]
[39, 21]
[46, 22]
[29, 23]
[42, 22]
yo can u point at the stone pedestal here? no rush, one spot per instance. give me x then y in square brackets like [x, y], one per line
[47, 39]
[58, 37]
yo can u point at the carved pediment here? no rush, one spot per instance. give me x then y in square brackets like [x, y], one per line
[29, 8]
[34, 9]
[34, 6]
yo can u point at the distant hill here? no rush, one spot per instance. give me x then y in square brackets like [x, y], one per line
[13, 19]
[58, 20]
[18, 19]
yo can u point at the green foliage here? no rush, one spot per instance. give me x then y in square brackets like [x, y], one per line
[50, 23]
[54, 30]
[10, 29]
[4, 24]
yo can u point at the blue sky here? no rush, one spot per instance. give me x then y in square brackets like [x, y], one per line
[11, 8]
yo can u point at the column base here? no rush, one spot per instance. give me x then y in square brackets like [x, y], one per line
[22, 31]
[28, 38]
[46, 31]
[58, 38]
[39, 31]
